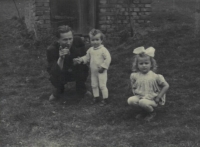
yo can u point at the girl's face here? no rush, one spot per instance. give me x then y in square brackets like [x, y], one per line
[144, 64]
[96, 40]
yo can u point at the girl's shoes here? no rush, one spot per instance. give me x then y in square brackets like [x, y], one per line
[146, 116]
[140, 116]
[150, 116]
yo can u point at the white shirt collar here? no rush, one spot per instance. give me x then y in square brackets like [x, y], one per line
[98, 47]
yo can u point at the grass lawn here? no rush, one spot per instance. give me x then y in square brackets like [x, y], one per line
[28, 119]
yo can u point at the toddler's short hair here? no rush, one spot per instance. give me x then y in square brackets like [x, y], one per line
[94, 32]
[63, 29]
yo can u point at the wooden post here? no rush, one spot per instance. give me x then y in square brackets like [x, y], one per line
[174, 5]
[92, 13]
[53, 8]
[17, 9]
[197, 18]
[87, 15]
[81, 16]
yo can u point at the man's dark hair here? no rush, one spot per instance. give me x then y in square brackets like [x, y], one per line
[63, 29]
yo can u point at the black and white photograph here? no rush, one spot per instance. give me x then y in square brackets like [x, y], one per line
[99, 73]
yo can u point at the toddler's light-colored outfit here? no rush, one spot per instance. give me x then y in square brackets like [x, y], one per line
[145, 88]
[98, 57]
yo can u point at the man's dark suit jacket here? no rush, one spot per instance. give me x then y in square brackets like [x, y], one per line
[77, 50]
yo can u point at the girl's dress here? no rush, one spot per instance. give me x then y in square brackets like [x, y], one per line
[147, 85]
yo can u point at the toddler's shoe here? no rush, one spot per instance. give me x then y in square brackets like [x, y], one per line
[150, 116]
[104, 102]
[94, 100]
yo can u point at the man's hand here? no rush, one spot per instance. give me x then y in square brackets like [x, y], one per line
[101, 69]
[63, 52]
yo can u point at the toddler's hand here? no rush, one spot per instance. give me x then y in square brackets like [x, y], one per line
[101, 69]
[80, 60]
[77, 60]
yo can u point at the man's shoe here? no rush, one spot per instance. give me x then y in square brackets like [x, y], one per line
[150, 116]
[56, 94]
[88, 94]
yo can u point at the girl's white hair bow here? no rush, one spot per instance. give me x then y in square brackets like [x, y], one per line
[149, 51]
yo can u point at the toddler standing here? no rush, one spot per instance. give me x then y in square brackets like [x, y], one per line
[99, 58]
[148, 87]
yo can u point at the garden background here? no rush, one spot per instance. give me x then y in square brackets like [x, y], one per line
[28, 119]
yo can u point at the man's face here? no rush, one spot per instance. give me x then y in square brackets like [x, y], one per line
[66, 39]
[96, 40]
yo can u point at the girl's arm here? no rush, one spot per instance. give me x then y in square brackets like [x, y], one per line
[165, 87]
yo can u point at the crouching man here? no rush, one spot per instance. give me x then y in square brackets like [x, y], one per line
[61, 66]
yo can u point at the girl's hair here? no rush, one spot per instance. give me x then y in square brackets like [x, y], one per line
[94, 32]
[63, 29]
[135, 62]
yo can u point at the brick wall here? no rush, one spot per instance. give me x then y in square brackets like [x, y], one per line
[112, 14]
[37, 13]
[116, 14]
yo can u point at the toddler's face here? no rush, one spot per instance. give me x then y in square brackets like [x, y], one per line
[144, 64]
[96, 40]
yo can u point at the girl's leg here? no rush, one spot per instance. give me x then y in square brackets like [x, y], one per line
[102, 84]
[95, 83]
[147, 104]
[134, 100]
